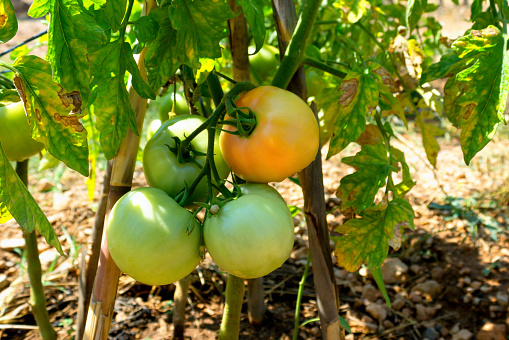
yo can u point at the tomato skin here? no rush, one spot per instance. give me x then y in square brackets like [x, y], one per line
[165, 104]
[15, 133]
[252, 235]
[147, 237]
[163, 170]
[264, 62]
[284, 141]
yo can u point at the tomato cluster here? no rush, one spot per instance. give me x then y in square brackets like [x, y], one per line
[249, 234]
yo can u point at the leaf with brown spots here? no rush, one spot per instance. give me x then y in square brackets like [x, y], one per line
[358, 190]
[16, 201]
[53, 112]
[367, 239]
[8, 21]
[358, 96]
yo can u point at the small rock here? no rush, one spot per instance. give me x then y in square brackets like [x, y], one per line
[416, 298]
[463, 334]
[416, 269]
[377, 311]
[430, 334]
[12, 243]
[370, 293]
[502, 300]
[467, 298]
[467, 280]
[437, 273]
[476, 285]
[406, 312]
[340, 274]
[425, 313]
[491, 331]
[47, 257]
[44, 185]
[393, 270]
[429, 289]
[388, 324]
[485, 289]
[465, 271]
[455, 329]
[398, 304]
[4, 282]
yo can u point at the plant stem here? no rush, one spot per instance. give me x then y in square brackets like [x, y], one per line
[299, 298]
[230, 325]
[324, 67]
[179, 311]
[297, 45]
[37, 297]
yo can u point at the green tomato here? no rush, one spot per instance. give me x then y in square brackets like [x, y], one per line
[162, 168]
[252, 235]
[165, 104]
[153, 127]
[314, 83]
[264, 63]
[147, 235]
[15, 133]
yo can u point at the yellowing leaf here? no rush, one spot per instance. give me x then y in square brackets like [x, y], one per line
[8, 21]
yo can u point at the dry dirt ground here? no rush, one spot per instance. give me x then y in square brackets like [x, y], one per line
[450, 280]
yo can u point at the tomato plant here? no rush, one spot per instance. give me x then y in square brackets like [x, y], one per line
[162, 166]
[284, 141]
[148, 238]
[164, 105]
[15, 133]
[252, 235]
[264, 62]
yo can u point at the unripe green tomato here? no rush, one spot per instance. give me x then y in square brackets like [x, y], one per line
[165, 104]
[314, 83]
[264, 62]
[15, 133]
[153, 127]
[252, 235]
[148, 239]
[162, 168]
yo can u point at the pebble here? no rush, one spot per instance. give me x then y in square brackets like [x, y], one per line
[491, 331]
[393, 270]
[398, 304]
[463, 334]
[430, 334]
[370, 293]
[485, 289]
[12, 243]
[406, 312]
[388, 324]
[476, 285]
[430, 289]
[465, 271]
[437, 273]
[425, 313]
[502, 300]
[377, 311]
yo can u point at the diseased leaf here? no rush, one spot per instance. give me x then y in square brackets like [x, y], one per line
[452, 91]
[354, 9]
[39, 8]
[140, 85]
[72, 28]
[114, 114]
[200, 25]
[485, 87]
[162, 59]
[429, 132]
[359, 95]
[388, 97]
[52, 112]
[449, 65]
[367, 239]
[371, 136]
[407, 183]
[17, 201]
[253, 11]
[358, 190]
[8, 96]
[8, 21]
[414, 11]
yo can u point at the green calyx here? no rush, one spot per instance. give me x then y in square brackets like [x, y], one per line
[185, 154]
[243, 118]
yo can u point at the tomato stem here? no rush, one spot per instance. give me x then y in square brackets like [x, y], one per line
[230, 325]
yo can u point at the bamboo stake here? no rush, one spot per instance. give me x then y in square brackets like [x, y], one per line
[37, 297]
[87, 281]
[179, 312]
[311, 178]
[106, 282]
[239, 45]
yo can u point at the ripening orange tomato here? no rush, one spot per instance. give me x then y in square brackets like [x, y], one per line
[284, 141]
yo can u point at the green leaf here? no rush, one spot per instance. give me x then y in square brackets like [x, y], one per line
[162, 59]
[367, 239]
[485, 86]
[379, 279]
[114, 114]
[429, 132]
[475, 9]
[359, 95]
[388, 97]
[52, 112]
[97, 4]
[414, 11]
[145, 29]
[253, 11]
[16, 200]
[140, 85]
[115, 11]
[39, 8]
[358, 190]
[452, 91]
[72, 28]
[8, 96]
[200, 25]
[449, 65]
[407, 183]
[8, 21]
